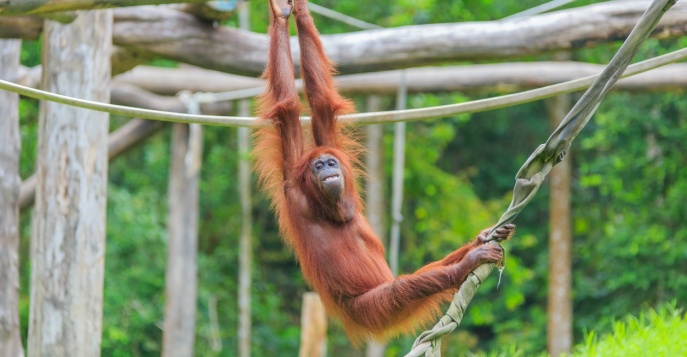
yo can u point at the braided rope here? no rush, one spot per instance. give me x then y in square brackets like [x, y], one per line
[531, 175]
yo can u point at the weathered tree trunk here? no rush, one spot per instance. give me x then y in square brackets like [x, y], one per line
[68, 237]
[47, 6]
[245, 244]
[182, 227]
[10, 144]
[374, 190]
[181, 37]
[156, 31]
[398, 177]
[124, 138]
[559, 311]
[313, 327]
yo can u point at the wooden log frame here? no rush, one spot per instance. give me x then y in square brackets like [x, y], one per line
[500, 77]
[164, 32]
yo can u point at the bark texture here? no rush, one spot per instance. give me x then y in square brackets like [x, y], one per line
[481, 78]
[16, 7]
[10, 145]
[182, 37]
[313, 327]
[246, 238]
[68, 237]
[157, 31]
[374, 191]
[559, 310]
[182, 227]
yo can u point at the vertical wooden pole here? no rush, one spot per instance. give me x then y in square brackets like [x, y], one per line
[10, 145]
[245, 244]
[374, 191]
[68, 236]
[374, 163]
[397, 179]
[182, 227]
[559, 310]
[313, 327]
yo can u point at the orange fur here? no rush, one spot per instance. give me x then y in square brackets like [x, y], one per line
[339, 254]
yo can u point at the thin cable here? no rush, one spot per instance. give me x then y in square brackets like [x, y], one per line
[539, 9]
[321, 10]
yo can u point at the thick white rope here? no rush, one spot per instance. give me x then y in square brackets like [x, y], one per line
[360, 118]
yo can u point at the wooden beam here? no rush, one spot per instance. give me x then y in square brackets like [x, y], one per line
[129, 95]
[501, 78]
[29, 7]
[182, 37]
[163, 32]
[23, 27]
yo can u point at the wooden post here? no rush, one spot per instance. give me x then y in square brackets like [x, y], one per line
[313, 327]
[245, 244]
[374, 163]
[68, 236]
[559, 311]
[397, 179]
[118, 142]
[374, 191]
[182, 228]
[10, 144]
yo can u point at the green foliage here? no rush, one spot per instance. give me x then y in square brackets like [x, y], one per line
[633, 170]
[135, 256]
[654, 333]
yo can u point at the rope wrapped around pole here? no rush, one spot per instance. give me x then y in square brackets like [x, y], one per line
[531, 175]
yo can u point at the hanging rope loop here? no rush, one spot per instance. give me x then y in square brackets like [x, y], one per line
[532, 173]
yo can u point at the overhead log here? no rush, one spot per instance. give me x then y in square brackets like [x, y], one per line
[182, 37]
[492, 78]
[28, 7]
[24, 27]
[501, 77]
[163, 32]
[130, 95]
